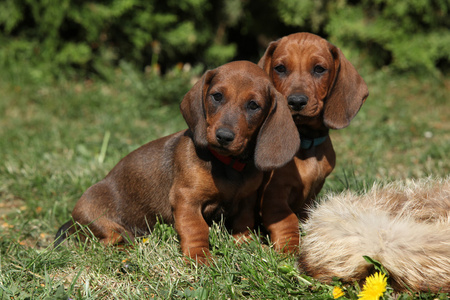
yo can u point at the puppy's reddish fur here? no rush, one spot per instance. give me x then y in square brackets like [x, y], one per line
[233, 110]
[324, 91]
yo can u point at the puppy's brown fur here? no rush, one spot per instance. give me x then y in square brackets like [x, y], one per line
[324, 91]
[404, 226]
[233, 113]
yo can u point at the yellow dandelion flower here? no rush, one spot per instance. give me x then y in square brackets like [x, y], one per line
[374, 287]
[337, 292]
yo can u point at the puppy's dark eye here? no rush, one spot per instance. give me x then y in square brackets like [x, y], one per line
[318, 69]
[281, 69]
[252, 105]
[217, 97]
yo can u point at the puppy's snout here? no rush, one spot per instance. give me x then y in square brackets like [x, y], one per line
[297, 101]
[224, 136]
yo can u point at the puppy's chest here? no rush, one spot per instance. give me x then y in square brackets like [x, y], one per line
[232, 185]
[230, 193]
[312, 171]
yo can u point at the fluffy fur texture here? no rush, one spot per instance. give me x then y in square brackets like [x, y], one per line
[405, 226]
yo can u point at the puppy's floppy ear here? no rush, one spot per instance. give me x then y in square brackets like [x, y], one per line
[193, 108]
[278, 139]
[347, 93]
[266, 60]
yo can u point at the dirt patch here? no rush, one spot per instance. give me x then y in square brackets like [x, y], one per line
[9, 205]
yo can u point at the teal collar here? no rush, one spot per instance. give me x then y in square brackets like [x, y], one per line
[308, 143]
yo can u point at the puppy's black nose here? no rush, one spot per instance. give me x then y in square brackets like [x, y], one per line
[224, 136]
[297, 101]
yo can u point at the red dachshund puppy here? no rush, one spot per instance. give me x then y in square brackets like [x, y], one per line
[324, 91]
[195, 176]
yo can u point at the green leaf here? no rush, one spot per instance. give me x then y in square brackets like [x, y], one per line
[378, 266]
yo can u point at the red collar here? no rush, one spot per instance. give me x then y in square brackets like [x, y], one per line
[234, 163]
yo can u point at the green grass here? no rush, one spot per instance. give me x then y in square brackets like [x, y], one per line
[57, 139]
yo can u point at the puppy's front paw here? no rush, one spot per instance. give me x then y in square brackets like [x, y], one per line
[242, 237]
[198, 255]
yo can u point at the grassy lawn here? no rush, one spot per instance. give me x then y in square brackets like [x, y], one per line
[57, 139]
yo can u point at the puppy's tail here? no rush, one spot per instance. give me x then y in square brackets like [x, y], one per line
[63, 233]
[404, 227]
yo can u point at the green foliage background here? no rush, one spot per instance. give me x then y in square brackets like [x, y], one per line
[67, 37]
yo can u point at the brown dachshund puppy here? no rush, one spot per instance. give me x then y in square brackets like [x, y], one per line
[195, 176]
[324, 91]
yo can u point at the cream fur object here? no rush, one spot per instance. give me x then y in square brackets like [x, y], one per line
[405, 226]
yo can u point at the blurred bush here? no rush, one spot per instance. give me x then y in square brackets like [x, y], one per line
[403, 34]
[69, 37]
[93, 36]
